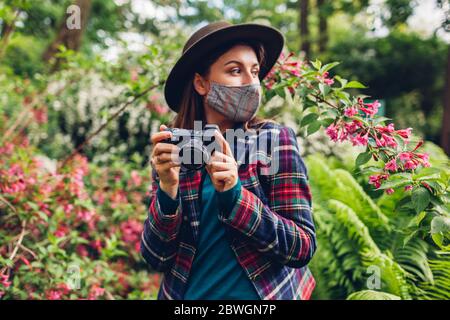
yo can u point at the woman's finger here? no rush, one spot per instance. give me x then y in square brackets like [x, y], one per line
[226, 149]
[221, 166]
[222, 176]
[166, 165]
[164, 157]
[219, 156]
[164, 148]
[159, 136]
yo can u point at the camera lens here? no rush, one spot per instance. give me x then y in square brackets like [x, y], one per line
[194, 155]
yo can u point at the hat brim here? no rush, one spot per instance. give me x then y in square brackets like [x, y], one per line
[271, 39]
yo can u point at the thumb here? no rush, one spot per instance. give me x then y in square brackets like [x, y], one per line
[162, 127]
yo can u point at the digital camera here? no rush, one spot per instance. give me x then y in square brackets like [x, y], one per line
[196, 146]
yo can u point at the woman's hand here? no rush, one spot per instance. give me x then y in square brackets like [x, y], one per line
[223, 169]
[165, 160]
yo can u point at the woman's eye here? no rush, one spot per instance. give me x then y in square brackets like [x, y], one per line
[233, 71]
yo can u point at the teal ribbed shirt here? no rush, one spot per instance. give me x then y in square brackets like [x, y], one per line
[216, 273]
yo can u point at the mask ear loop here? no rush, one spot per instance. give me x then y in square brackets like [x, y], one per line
[235, 86]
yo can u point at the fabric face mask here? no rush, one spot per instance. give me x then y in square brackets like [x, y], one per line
[237, 103]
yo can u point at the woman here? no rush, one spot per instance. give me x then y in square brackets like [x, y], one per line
[231, 230]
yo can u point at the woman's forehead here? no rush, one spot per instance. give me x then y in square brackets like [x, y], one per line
[241, 53]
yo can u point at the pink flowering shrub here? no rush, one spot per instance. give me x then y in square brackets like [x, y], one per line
[73, 233]
[326, 103]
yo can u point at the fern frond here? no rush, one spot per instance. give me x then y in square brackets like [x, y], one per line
[372, 295]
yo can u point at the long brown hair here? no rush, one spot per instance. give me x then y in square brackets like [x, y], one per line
[191, 105]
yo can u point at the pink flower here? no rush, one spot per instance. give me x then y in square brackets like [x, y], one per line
[44, 208]
[332, 132]
[353, 126]
[4, 280]
[64, 288]
[62, 231]
[68, 209]
[270, 84]
[425, 159]
[390, 191]
[380, 143]
[376, 180]
[131, 230]
[295, 72]
[117, 198]
[370, 108]
[97, 245]
[40, 115]
[391, 165]
[407, 188]
[85, 215]
[82, 251]
[45, 189]
[388, 129]
[410, 165]
[328, 82]
[351, 111]
[404, 133]
[157, 108]
[7, 149]
[325, 79]
[134, 75]
[404, 156]
[389, 140]
[100, 197]
[54, 295]
[96, 292]
[360, 140]
[291, 90]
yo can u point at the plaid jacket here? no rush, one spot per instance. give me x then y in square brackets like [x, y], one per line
[270, 227]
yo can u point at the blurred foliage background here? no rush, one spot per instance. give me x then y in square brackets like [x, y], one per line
[71, 81]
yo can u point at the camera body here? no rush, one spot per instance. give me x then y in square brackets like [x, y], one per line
[196, 146]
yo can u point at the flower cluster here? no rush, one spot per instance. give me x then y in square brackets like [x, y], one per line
[58, 207]
[356, 120]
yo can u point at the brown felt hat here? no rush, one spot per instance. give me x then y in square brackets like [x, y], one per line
[210, 37]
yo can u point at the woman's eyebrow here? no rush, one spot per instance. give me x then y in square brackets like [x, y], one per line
[238, 62]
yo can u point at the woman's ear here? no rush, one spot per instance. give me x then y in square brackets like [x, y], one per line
[200, 84]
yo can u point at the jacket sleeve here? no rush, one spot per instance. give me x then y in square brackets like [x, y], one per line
[159, 237]
[284, 229]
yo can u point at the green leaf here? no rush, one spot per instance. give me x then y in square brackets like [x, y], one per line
[280, 91]
[308, 119]
[341, 80]
[363, 158]
[42, 215]
[316, 64]
[372, 295]
[440, 224]
[313, 127]
[329, 66]
[355, 84]
[324, 89]
[393, 184]
[425, 172]
[378, 120]
[409, 237]
[327, 121]
[420, 199]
